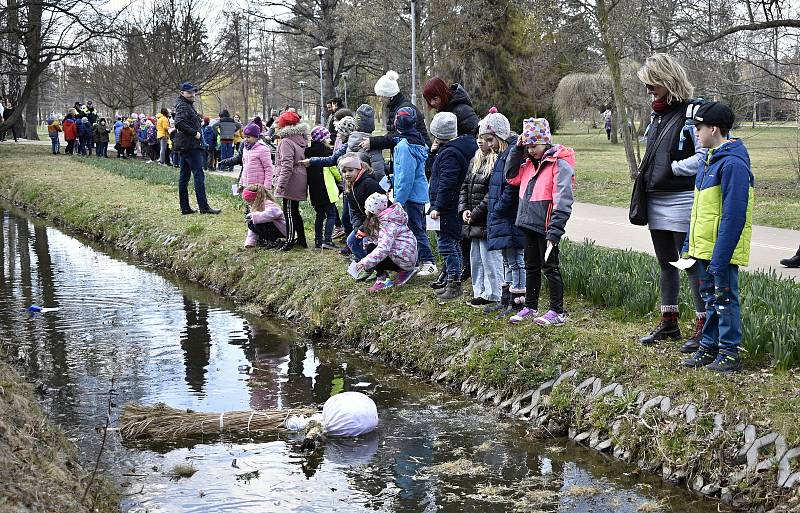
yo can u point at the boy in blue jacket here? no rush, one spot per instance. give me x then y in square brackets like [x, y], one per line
[719, 236]
[447, 174]
[410, 185]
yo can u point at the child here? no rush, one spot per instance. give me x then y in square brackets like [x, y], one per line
[486, 265]
[101, 131]
[719, 236]
[117, 131]
[70, 134]
[265, 223]
[256, 160]
[151, 141]
[501, 206]
[162, 128]
[395, 246]
[447, 174]
[84, 136]
[322, 199]
[238, 136]
[127, 140]
[359, 185]
[410, 185]
[545, 180]
[209, 138]
[291, 181]
[141, 135]
[53, 129]
[365, 125]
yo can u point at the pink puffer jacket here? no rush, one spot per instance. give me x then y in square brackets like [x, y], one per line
[395, 240]
[256, 166]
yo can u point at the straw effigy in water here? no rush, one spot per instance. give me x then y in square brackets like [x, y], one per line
[160, 423]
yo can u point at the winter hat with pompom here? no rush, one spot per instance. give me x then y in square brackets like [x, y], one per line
[320, 133]
[252, 130]
[387, 84]
[376, 203]
[288, 118]
[495, 124]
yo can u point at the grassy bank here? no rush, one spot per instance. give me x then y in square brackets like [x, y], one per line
[602, 173]
[404, 326]
[39, 469]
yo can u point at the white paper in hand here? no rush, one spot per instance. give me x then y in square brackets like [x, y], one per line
[683, 263]
[384, 183]
[235, 189]
[353, 270]
[432, 225]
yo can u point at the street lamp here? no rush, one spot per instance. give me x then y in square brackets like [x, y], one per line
[321, 52]
[344, 77]
[302, 84]
[413, 52]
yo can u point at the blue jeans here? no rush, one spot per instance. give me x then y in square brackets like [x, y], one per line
[102, 149]
[723, 328]
[514, 265]
[191, 163]
[164, 147]
[225, 151]
[326, 215]
[356, 245]
[56, 143]
[82, 143]
[450, 249]
[487, 270]
[416, 223]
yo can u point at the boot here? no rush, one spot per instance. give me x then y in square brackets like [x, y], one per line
[693, 344]
[505, 300]
[452, 291]
[793, 261]
[440, 282]
[668, 328]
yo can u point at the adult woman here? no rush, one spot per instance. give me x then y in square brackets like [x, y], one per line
[453, 98]
[672, 158]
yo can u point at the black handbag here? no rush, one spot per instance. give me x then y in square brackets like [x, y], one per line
[637, 214]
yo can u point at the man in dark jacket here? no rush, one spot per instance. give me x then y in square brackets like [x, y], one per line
[187, 145]
[90, 112]
[7, 113]
[332, 106]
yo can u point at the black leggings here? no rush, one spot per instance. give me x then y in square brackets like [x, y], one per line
[267, 232]
[667, 246]
[294, 223]
[535, 248]
[385, 265]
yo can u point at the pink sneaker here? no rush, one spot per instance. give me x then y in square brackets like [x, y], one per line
[380, 284]
[526, 314]
[403, 277]
[551, 318]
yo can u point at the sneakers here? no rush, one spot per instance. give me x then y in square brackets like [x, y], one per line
[526, 314]
[380, 284]
[551, 318]
[329, 245]
[693, 344]
[700, 358]
[440, 282]
[403, 277]
[345, 251]
[725, 363]
[479, 302]
[427, 269]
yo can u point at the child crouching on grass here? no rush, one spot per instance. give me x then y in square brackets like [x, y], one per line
[265, 222]
[545, 174]
[395, 246]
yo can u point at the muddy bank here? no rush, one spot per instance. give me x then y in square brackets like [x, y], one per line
[731, 438]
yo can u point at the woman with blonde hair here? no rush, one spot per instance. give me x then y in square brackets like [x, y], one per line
[672, 158]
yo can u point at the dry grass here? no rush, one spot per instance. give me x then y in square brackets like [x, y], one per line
[582, 491]
[650, 507]
[460, 467]
[182, 470]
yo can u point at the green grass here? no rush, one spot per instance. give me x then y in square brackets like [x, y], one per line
[602, 173]
[406, 324]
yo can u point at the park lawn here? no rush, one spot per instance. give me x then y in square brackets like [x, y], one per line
[406, 325]
[602, 173]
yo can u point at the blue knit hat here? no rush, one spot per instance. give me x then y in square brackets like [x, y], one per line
[405, 119]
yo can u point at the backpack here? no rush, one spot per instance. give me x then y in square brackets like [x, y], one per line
[688, 124]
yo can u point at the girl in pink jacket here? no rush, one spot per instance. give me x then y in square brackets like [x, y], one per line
[256, 160]
[265, 223]
[395, 248]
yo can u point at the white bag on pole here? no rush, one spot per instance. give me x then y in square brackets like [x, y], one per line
[349, 414]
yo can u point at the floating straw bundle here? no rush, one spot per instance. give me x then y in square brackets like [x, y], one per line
[162, 423]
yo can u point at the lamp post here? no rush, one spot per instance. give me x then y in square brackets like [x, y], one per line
[302, 84]
[344, 77]
[413, 52]
[321, 52]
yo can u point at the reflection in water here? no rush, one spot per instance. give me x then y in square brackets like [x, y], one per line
[184, 346]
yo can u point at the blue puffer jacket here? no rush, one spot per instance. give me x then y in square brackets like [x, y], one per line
[501, 229]
[85, 130]
[209, 137]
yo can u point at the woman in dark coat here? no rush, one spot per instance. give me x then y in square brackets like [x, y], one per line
[453, 98]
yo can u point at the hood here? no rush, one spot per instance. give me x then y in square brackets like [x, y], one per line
[159, 115]
[732, 148]
[68, 120]
[418, 151]
[354, 141]
[394, 214]
[117, 124]
[465, 144]
[559, 152]
[288, 131]
[459, 97]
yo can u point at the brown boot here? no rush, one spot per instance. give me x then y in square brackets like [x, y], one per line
[693, 344]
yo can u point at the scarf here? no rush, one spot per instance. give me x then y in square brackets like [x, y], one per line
[660, 106]
[249, 146]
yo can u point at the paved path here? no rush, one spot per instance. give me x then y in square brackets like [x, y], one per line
[609, 226]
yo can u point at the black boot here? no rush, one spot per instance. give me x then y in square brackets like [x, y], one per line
[440, 282]
[505, 300]
[793, 261]
[667, 329]
[693, 344]
[452, 291]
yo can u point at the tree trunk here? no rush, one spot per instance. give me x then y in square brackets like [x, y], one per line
[614, 126]
[616, 80]
[29, 129]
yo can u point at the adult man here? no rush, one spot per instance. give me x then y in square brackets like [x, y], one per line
[332, 105]
[90, 112]
[191, 156]
[7, 113]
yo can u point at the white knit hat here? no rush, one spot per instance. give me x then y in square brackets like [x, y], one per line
[495, 124]
[387, 84]
[444, 126]
[376, 203]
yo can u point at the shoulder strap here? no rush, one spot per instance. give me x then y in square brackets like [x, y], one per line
[667, 128]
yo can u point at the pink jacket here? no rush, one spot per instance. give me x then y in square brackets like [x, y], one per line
[256, 166]
[291, 181]
[395, 240]
[271, 213]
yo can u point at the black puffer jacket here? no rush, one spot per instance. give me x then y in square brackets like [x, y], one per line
[474, 197]
[187, 126]
[357, 197]
[388, 141]
[460, 104]
[659, 157]
[317, 191]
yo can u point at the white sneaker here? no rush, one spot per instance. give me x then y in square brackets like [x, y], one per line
[427, 269]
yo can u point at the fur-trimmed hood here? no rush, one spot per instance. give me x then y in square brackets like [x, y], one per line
[288, 131]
